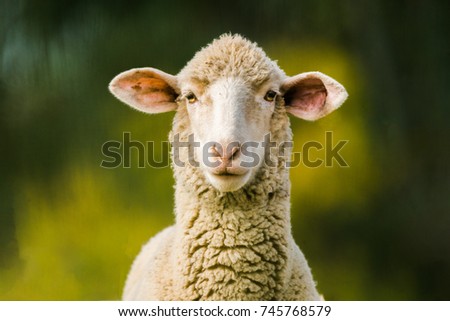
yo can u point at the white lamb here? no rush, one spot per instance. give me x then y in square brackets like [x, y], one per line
[232, 236]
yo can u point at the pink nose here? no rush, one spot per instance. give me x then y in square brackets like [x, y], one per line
[227, 154]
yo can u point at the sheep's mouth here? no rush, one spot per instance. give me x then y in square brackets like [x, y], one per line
[227, 174]
[228, 181]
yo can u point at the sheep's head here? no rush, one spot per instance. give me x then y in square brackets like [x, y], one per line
[230, 91]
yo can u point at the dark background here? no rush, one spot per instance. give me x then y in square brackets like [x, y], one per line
[377, 230]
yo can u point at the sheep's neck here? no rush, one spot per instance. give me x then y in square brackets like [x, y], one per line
[233, 246]
[235, 243]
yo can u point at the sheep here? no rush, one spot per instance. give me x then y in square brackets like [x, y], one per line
[232, 235]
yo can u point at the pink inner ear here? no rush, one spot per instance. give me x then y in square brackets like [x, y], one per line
[148, 91]
[308, 95]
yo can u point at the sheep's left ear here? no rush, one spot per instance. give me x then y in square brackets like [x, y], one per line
[312, 95]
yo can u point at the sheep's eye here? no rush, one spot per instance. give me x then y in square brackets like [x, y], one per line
[270, 95]
[191, 98]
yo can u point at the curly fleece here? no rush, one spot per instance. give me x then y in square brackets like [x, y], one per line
[234, 245]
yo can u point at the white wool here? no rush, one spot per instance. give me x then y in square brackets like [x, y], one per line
[237, 244]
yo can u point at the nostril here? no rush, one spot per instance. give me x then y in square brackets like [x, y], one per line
[215, 151]
[231, 152]
[235, 152]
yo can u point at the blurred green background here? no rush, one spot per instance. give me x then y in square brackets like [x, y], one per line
[377, 230]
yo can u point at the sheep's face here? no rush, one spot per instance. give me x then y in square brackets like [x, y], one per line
[229, 90]
[230, 119]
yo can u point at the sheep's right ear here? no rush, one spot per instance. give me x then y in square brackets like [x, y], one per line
[146, 89]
